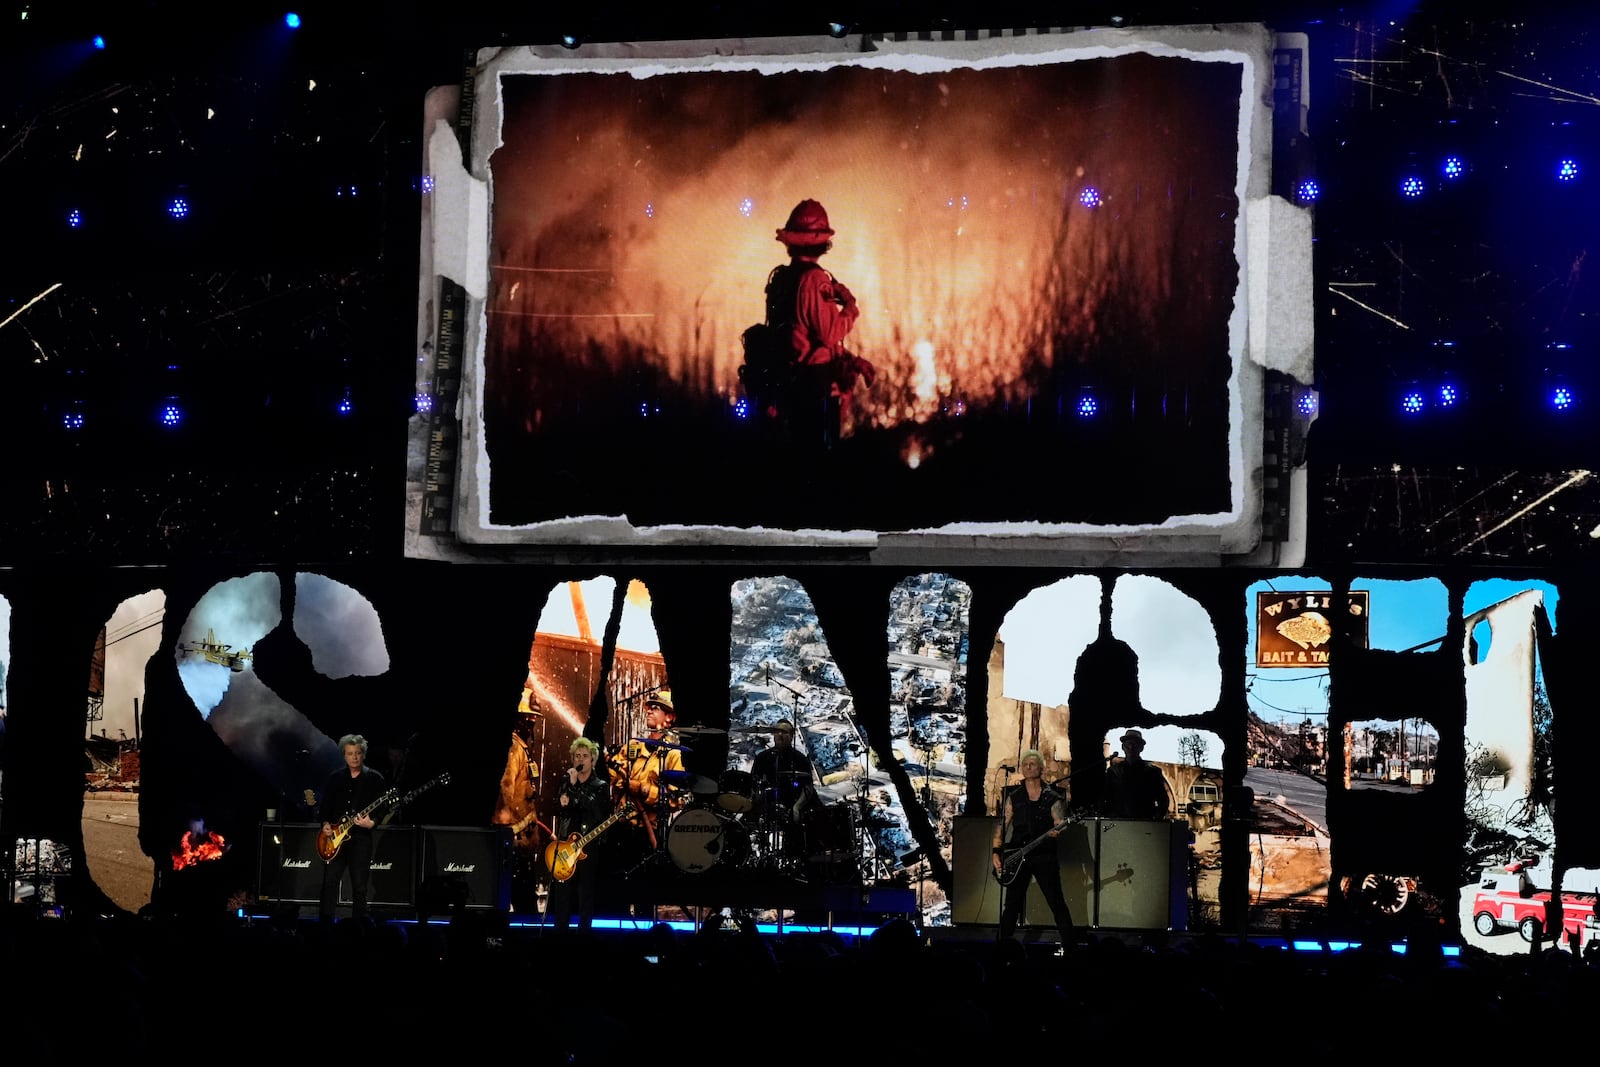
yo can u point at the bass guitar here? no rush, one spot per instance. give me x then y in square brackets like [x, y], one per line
[1011, 862]
[561, 857]
[329, 842]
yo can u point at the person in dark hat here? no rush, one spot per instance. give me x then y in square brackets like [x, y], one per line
[810, 313]
[1136, 789]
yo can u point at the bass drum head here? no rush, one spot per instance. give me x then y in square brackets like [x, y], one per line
[695, 840]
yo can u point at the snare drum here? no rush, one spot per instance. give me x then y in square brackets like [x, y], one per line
[699, 838]
[738, 792]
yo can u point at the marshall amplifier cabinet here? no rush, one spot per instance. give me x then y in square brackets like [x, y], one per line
[289, 868]
[465, 867]
[394, 869]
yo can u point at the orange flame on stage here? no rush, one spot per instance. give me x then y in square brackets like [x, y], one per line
[197, 849]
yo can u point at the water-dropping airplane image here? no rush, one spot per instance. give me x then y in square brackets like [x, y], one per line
[216, 652]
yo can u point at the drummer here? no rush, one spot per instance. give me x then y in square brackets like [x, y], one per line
[785, 775]
[636, 769]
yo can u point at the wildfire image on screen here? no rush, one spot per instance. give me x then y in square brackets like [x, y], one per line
[1001, 269]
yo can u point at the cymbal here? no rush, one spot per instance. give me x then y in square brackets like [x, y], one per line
[700, 731]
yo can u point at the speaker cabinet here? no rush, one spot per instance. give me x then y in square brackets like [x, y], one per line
[1135, 874]
[394, 869]
[1126, 874]
[976, 897]
[288, 868]
[465, 867]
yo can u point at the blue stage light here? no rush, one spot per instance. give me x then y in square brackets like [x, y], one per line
[424, 403]
[1412, 187]
[1448, 394]
[741, 408]
[171, 413]
[99, 41]
[72, 420]
[1308, 191]
[1087, 406]
[1567, 170]
[292, 21]
[344, 407]
[1562, 396]
[74, 218]
[178, 208]
[1090, 197]
[427, 183]
[1453, 167]
[1306, 403]
[1411, 401]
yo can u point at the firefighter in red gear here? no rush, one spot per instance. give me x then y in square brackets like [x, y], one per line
[813, 312]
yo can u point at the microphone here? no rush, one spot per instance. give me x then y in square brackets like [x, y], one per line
[1008, 768]
[572, 775]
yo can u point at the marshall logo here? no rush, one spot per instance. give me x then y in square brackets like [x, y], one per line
[460, 868]
[288, 862]
[383, 866]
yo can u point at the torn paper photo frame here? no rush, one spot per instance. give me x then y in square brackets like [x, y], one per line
[1070, 282]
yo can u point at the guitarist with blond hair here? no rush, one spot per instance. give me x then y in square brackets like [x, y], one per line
[1025, 848]
[348, 796]
[583, 805]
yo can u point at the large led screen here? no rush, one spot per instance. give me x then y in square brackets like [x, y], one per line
[853, 293]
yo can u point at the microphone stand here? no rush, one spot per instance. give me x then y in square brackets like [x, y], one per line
[663, 808]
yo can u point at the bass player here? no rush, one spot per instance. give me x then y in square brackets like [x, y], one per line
[583, 805]
[1033, 816]
[349, 794]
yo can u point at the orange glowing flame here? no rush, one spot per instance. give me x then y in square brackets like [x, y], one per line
[955, 199]
[915, 451]
[197, 849]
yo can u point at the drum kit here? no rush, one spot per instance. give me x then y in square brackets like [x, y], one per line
[743, 822]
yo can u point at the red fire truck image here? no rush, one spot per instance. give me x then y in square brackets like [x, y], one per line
[1510, 900]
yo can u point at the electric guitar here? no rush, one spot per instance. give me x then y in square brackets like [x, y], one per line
[329, 842]
[561, 857]
[1011, 863]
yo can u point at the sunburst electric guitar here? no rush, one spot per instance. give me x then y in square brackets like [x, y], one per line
[561, 857]
[329, 842]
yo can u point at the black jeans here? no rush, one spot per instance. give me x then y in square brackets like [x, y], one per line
[354, 858]
[1041, 867]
